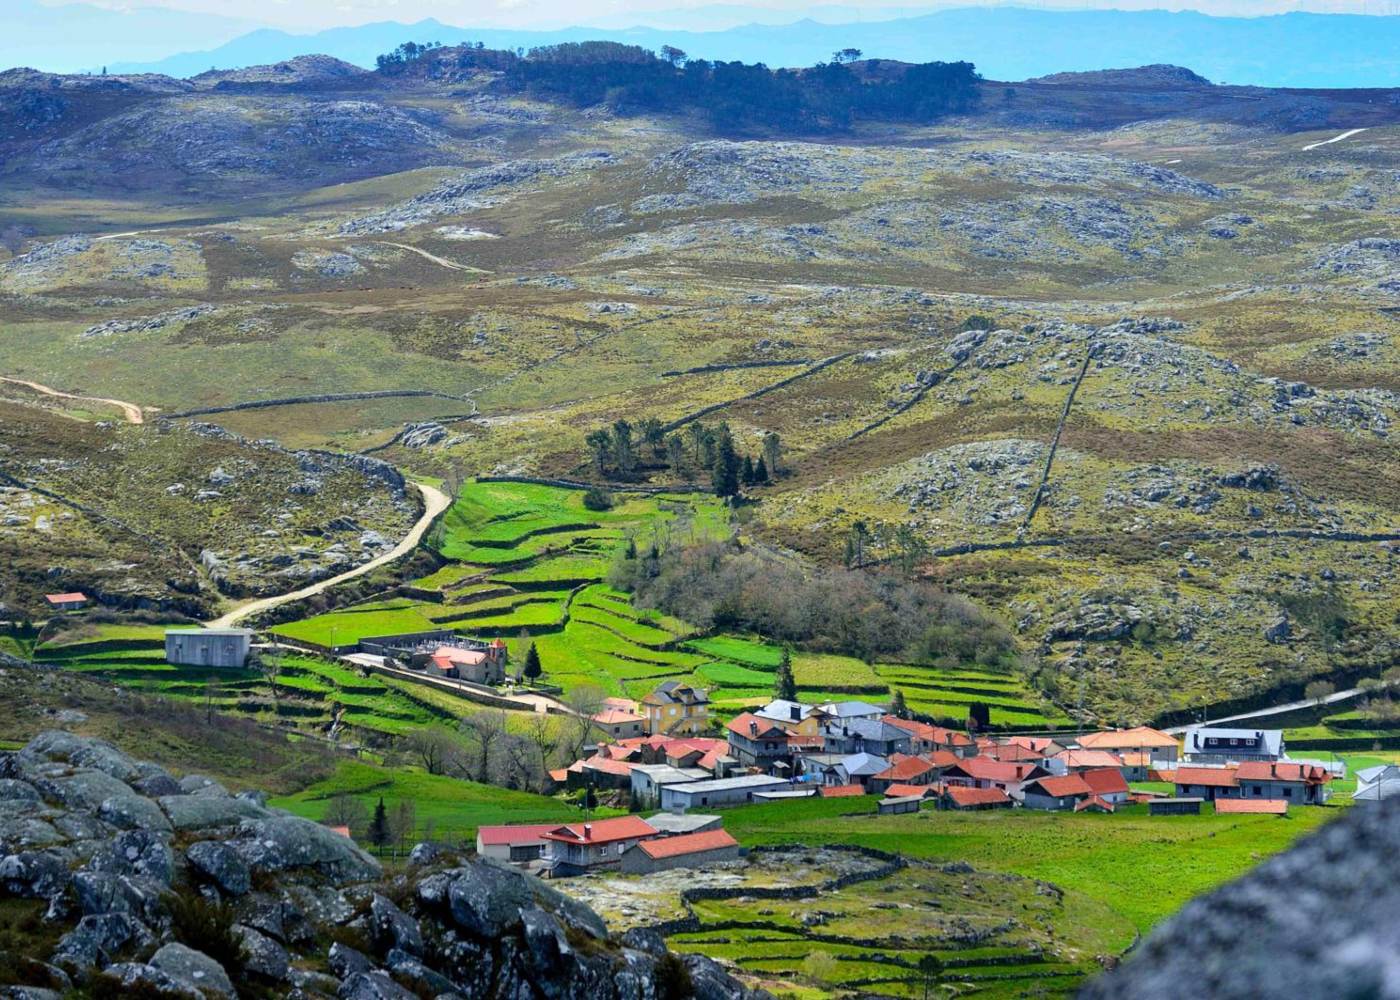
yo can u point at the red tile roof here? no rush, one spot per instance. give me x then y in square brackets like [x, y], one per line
[687, 843]
[1089, 758]
[750, 726]
[841, 791]
[1272, 807]
[992, 770]
[930, 734]
[603, 831]
[1140, 738]
[456, 654]
[500, 836]
[73, 598]
[1093, 802]
[906, 769]
[1105, 780]
[1209, 777]
[796, 741]
[898, 791]
[607, 765]
[964, 797]
[1264, 770]
[613, 716]
[1060, 786]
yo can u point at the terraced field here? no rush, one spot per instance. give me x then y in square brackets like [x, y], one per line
[524, 559]
[312, 692]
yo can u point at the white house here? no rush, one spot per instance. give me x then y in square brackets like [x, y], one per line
[1214, 745]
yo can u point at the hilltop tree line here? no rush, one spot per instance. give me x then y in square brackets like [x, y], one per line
[870, 615]
[625, 451]
[828, 97]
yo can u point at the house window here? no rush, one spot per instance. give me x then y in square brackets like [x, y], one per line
[1258, 789]
[1288, 793]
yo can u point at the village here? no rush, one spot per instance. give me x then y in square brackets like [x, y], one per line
[657, 754]
[675, 765]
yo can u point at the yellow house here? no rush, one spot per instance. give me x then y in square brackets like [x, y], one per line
[676, 709]
[797, 718]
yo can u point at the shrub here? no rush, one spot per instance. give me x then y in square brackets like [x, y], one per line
[597, 498]
[208, 927]
[819, 966]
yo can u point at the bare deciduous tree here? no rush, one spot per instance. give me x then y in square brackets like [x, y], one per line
[485, 729]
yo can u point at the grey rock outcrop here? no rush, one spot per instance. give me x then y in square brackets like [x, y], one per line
[1319, 920]
[284, 886]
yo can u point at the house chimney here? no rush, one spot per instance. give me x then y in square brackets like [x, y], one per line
[753, 728]
[587, 831]
[795, 713]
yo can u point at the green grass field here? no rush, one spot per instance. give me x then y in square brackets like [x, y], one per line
[447, 808]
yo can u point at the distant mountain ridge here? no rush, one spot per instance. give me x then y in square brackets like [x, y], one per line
[1006, 43]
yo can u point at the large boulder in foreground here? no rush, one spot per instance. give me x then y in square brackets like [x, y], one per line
[1321, 919]
[178, 889]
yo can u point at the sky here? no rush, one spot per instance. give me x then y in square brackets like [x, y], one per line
[312, 15]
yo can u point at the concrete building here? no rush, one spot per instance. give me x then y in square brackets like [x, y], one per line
[208, 647]
[649, 779]
[1214, 745]
[689, 850]
[721, 792]
[676, 708]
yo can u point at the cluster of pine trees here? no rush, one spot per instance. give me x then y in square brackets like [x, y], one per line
[828, 97]
[626, 451]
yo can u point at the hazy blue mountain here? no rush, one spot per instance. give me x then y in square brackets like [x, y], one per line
[1006, 43]
[76, 37]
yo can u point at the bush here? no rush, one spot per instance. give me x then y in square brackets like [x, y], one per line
[598, 498]
[819, 966]
[207, 927]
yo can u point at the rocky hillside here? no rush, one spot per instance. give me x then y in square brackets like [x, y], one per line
[174, 516]
[133, 882]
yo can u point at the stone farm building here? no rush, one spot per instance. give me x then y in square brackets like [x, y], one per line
[688, 850]
[208, 647]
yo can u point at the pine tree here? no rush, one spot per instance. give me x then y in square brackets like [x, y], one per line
[897, 706]
[724, 475]
[379, 834]
[746, 473]
[760, 471]
[533, 667]
[784, 684]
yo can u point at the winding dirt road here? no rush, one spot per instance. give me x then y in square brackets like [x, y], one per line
[440, 261]
[1336, 138]
[133, 413]
[434, 503]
